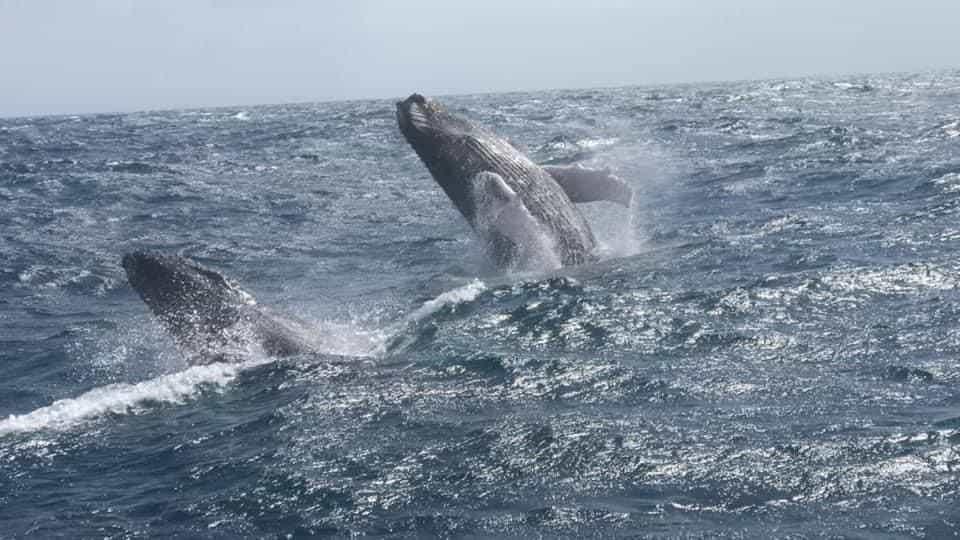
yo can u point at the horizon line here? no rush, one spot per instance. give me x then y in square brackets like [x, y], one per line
[295, 102]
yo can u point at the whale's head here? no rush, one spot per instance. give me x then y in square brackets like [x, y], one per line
[190, 300]
[453, 149]
[423, 119]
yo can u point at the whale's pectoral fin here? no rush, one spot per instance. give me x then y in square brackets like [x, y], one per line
[499, 206]
[502, 220]
[490, 190]
[587, 185]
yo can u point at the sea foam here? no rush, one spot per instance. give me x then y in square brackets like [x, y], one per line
[125, 398]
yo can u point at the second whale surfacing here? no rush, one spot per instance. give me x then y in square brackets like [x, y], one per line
[522, 212]
[209, 316]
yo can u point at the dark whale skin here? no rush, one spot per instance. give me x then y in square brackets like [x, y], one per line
[456, 151]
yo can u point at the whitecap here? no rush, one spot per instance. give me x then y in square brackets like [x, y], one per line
[464, 293]
[125, 398]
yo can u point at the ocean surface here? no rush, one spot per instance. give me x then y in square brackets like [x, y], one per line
[768, 344]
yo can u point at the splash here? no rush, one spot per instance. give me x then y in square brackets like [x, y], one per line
[348, 338]
[652, 173]
[125, 398]
[618, 231]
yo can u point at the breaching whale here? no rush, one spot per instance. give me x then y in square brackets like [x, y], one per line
[209, 316]
[523, 213]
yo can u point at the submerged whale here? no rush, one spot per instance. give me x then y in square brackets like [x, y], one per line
[523, 213]
[209, 316]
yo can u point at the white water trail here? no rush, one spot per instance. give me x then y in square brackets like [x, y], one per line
[125, 398]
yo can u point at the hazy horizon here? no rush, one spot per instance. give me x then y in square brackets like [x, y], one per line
[454, 94]
[121, 56]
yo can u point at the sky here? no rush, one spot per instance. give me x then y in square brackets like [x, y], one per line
[81, 56]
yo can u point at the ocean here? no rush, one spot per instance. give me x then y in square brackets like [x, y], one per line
[767, 345]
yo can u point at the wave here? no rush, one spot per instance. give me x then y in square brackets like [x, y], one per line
[126, 398]
[411, 330]
[464, 293]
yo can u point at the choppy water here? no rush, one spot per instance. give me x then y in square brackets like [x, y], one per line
[768, 346]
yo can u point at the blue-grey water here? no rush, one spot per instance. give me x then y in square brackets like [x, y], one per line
[767, 346]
